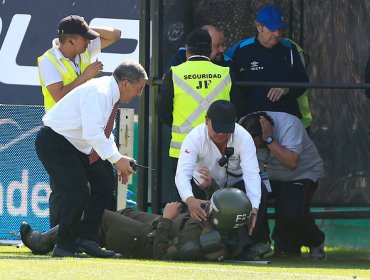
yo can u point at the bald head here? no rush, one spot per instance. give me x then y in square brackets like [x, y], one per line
[218, 40]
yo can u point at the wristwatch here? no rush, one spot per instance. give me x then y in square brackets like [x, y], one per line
[268, 140]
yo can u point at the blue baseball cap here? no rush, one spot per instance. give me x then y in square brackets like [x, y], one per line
[271, 17]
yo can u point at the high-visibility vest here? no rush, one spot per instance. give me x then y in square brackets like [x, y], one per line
[196, 84]
[66, 71]
[302, 100]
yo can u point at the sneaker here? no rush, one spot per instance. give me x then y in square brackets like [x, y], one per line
[63, 253]
[257, 251]
[318, 253]
[92, 248]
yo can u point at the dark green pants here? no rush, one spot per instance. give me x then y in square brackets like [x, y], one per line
[127, 232]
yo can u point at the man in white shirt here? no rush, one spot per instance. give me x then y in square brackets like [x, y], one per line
[218, 154]
[78, 150]
[68, 63]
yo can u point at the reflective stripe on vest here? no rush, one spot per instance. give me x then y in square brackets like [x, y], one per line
[302, 100]
[193, 103]
[66, 71]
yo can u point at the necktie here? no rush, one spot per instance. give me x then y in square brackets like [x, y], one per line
[93, 156]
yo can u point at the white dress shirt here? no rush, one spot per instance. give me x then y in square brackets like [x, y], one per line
[198, 150]
[82, 115]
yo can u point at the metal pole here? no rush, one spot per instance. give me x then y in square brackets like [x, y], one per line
[294, 85]
[156, 63]
[291, 19]
[144, 53]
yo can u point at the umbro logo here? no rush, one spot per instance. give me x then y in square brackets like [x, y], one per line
[255, 67]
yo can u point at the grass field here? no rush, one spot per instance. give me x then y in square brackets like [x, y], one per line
[19, 263]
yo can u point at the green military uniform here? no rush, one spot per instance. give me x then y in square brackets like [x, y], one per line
[141, 235]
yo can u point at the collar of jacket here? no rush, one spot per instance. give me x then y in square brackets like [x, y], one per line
[198, 58]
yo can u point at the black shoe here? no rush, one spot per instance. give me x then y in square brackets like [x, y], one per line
[40, 243]
[92, 248]
[286, 253]
[23, 230]
[62, 253]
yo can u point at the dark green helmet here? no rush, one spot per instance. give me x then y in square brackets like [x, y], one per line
[230, 209]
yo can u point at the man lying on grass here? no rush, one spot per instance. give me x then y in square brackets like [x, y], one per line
[172, 236]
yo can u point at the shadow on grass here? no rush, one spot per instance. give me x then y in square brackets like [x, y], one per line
[12, 255]
[337, 258]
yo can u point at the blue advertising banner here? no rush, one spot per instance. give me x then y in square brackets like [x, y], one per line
[27, 29]
[24, 183]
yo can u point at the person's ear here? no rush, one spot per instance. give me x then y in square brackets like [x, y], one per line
[187, 53]
[259, 27]
[124, 83]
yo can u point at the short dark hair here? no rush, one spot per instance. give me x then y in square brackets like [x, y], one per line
[251, 123]
[63, 37]
[199, 42]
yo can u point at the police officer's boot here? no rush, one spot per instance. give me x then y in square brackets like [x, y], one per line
[39, 243]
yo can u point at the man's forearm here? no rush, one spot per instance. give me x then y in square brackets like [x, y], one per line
[161, 238]
[108, 35]
[288, 158]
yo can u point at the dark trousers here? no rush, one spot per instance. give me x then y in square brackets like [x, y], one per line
[126, 232]
[294, 225]
[54, 205]
[84, 190]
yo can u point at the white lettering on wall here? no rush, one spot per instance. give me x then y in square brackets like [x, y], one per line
[12, 73]
[1, 194]
[38, 199]
[18, 198]
[129, 29]
[22, 187]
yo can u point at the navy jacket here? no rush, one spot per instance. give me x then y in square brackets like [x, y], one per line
[253, 62]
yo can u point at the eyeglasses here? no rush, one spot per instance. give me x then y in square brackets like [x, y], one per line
[139, 90]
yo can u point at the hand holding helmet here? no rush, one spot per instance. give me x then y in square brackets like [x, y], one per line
[230, 209]
[195, 208]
